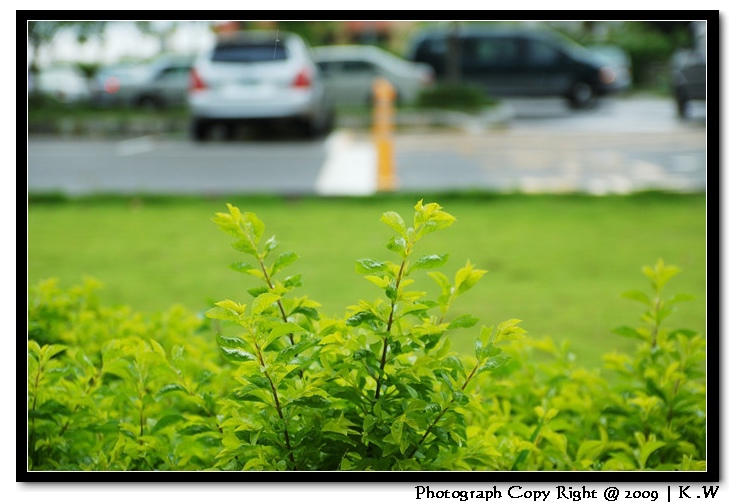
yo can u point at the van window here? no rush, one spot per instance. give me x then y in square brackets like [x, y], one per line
[491, 51]
[541, 54]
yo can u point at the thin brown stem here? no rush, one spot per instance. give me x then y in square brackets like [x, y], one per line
[441, 414]
[279, 410]
[389, 326]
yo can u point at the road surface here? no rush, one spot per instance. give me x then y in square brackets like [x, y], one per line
[621, 146]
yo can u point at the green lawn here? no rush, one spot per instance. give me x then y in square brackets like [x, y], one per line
[559, 263]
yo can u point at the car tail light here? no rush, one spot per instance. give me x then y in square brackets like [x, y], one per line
[607, 75]
[303, 79]
[195, 82]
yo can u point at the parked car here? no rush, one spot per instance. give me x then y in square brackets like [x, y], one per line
[258, 75]
[162, 83]
[350, 70]
[64, 84]
[689, 75]
[511, 61]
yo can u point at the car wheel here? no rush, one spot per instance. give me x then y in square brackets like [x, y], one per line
[150, 103]
[580, 95]
[199, 129]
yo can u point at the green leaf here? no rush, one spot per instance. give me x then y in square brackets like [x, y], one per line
[245, 245]
[195, 429]
[591, 450]
[309, 312]
[463, 321]
[430, 261]
[361, 317]
[459, 398]
[396, 430]
[231, 342]
[165, 421]
[311, 402]
[283, 260]
[638, 296]
[339, 425]
[368, 266]
[394, 221]
[270, 244]
[397, 244]
[236, 355]
[628, 332]
[172, 387]
[256, 292]
[293, 281]
[466, 277]
[241, 266]
[660, 274]
[647, 447]
[264, 301]
[49, 351]
[441, 280]
[493, 364]
[508, 330]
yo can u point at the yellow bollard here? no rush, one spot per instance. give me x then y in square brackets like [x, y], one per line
[383, 111]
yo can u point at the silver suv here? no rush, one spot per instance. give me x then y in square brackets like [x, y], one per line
[257, 75]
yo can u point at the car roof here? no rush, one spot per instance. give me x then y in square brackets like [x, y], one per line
[345, 50]
[253, 36]
[483, 31]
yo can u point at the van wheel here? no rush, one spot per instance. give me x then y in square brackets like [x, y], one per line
[682, 104]
[199, 129]
[580, 95]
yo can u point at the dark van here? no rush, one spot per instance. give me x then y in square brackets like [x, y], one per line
[520, 62]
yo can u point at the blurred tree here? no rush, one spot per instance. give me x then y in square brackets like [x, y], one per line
[42, 33]
[161, 30]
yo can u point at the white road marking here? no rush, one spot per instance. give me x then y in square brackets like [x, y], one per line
[134, 146]
[350, 167]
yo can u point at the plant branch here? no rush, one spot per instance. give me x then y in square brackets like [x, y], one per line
[389, 326]
[277, 404]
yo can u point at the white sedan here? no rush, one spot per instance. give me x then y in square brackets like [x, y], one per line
[350, 70]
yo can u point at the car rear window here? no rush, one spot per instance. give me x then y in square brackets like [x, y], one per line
[249, 53]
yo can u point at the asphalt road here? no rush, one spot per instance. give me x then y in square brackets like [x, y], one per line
[620, 146]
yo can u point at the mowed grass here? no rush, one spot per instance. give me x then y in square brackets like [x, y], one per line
[559, 263]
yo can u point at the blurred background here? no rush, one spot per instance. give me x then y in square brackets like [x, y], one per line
[575, 156]
[144, 63]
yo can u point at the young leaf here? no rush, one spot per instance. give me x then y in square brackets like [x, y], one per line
[236, 355]
[629, 332]
[430, 261]
[232, 342]
[638, 296]
[283, 260]
[463, 321]
[394, 221]
[397, 244]
[264, 301]
[368, 266]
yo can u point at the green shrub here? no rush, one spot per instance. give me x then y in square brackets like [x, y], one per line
[272, 384]
[462, 97]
